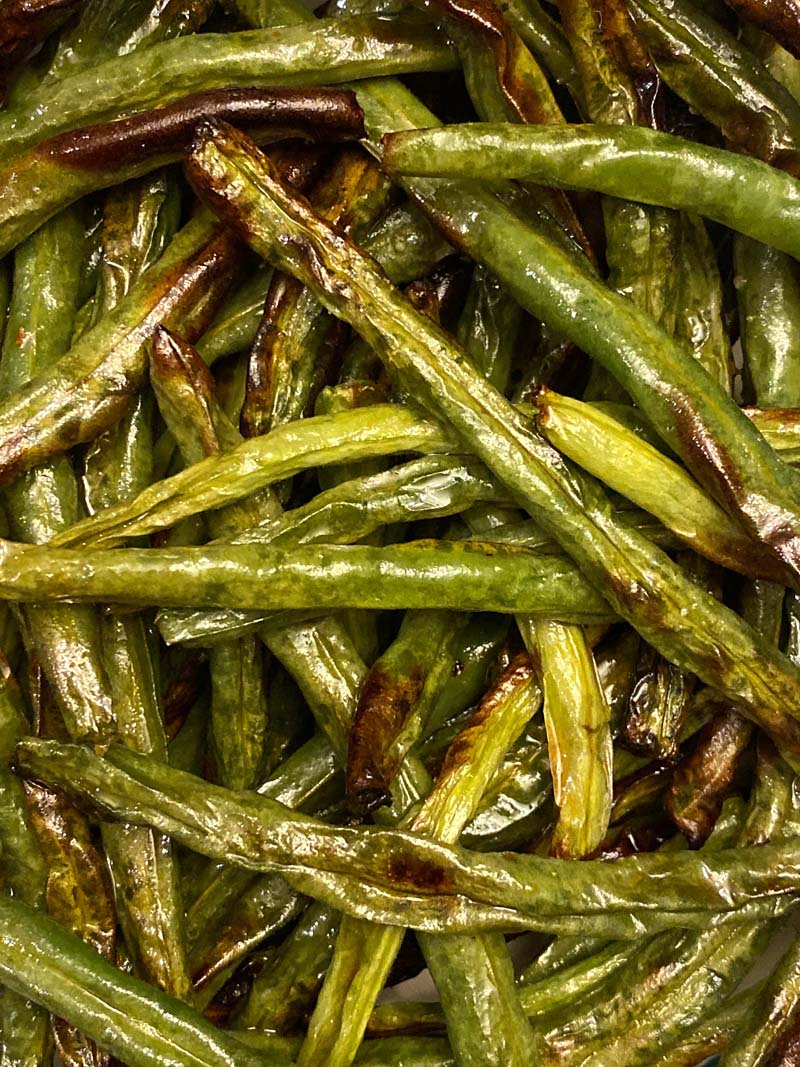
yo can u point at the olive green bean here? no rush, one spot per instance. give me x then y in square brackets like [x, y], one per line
[632, 897]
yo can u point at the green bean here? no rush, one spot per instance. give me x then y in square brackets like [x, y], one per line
[23, 27]
[562, 953]
[49, 177]
[405, 244]
[259, 462]
[768, 292]
[184, 390]
[105, 29]
[489, 327]
[720, 79]
[716, 1033]
[261, 911]
[632, 162]
[538, 999]
[283, 376]
[781, 427]
[476, 656]
[620, 87]
[465, 576]
[504, 81]
[73, 401]
[578, 736]
[45, 299]
[328, 670]
[323, 54]
[502, 76]
[235, 325]
[518, 804]
[702, 969]
[656, 707]
[545, 38]
[41, 960]
[572, 510]
[633, 897]
[24, 1026]
[298, 782]
[5, 292]
[483, 226]
[698, 301]
[780, 63]
[627, 1027]
[139, 222]
[386, 1052]
[284, 991]
[364, 953]
[427, 488]
[395, 703]
[79, 896]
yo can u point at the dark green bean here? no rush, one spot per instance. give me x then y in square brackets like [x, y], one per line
[656, 707]
[47, 269]
[108, 28]
[405, 244]
[79, 896]
[263, 909]
[768, 292]
[489, 328]
[23, 27]
[721, 79]
[395, 703]
[620, 86]
[632, 162]
[283, 993]
[236, 323]
[25, 1028]
[505, 82]
[545, 38]
[283, 372]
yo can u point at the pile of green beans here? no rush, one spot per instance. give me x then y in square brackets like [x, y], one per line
[399, 533]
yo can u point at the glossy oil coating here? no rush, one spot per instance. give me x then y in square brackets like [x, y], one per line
[38, 183]
[416, 882]
[622, 564]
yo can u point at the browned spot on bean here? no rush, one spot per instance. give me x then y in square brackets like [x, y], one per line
[383, 707]
[440, 295]
[418, 875]
[703, 778]
[462, 748]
